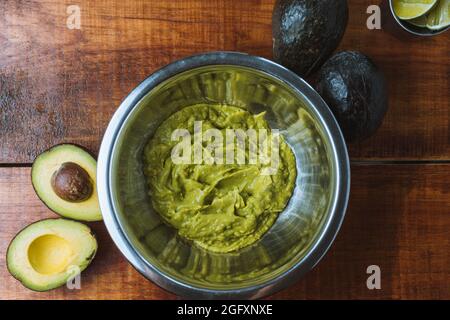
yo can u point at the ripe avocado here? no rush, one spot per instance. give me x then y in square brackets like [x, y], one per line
[64, 179]
[306, 32]
[47, 253]
[356, 91]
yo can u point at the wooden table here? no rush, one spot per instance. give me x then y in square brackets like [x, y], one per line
[63, 85]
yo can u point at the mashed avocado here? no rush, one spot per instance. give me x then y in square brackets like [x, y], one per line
[221, 206]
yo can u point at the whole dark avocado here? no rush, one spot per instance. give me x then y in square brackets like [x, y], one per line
[306, 32]
[356, 91]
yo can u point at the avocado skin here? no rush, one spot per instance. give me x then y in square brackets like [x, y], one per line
[355, 89]
[306, 32]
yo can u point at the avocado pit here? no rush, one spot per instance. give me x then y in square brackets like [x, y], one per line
[72, 183]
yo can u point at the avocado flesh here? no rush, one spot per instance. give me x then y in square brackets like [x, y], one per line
[47, 163]
[47, 253]
[221, 207]
[306, 32]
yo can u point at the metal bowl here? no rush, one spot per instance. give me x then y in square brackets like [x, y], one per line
[302, 233]
[413, 29]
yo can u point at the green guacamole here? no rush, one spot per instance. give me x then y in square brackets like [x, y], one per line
[225, 206]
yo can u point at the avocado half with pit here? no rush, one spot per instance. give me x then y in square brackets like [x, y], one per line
[48, 253]
[64, 179]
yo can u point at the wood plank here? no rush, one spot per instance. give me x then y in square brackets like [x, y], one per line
[417, 71]
[61, 85]
[397, 219]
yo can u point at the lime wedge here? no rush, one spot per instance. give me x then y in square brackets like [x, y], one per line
[439, 17]
[410, 9]
[420, 21]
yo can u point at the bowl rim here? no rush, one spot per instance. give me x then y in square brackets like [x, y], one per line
[329, 229]
[412, 29]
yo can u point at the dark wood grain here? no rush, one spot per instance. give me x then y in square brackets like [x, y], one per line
[61, 85]
[418, 74]
[398, 219]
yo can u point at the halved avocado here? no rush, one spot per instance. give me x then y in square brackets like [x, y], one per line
[47, 253]
[64, 179]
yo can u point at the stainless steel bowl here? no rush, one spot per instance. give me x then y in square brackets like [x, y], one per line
[413, 29]
[302, 233]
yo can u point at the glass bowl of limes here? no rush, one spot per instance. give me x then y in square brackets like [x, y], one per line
[422, 17]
